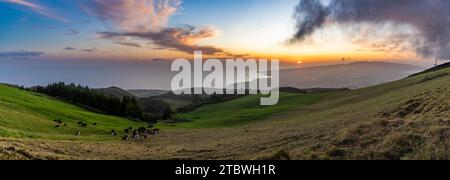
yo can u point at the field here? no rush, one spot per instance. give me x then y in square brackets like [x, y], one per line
[241, 111]
[405, 119]
[29, 115]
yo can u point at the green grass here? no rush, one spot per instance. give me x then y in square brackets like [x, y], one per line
[241, 111]
[25, 114]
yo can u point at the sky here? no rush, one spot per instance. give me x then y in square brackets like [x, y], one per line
[140, 29]
[294, 31]
[68, 29]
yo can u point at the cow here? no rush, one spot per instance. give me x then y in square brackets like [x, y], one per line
[136, 135]
[153, 131]
[125, 138]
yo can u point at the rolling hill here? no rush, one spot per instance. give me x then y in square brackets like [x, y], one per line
[404, 119]
[114, 92]
[146, 93]
[25, 114]
[241, 111]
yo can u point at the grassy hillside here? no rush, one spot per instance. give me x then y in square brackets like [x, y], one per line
[241, 111]
[405, 119]
[29, 115]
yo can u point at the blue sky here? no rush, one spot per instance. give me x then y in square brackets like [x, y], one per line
[25, 29]
[106, 29]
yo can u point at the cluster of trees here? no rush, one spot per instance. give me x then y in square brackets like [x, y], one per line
[77, 94]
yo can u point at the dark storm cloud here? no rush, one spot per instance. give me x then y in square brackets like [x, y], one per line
[20, 54]
[431, 18]
[310, 15]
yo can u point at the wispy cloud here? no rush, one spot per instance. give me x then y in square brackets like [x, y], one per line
[128, 44]
[89, 50]
[72, 32]
[182, 39]
[69, 48]
[20, 54]
[40, 9]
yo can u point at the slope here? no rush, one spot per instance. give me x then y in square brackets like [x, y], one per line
[25, 114]
[241, 111]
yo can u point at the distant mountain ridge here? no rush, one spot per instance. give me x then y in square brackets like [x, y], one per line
[114, 92]
[145, 93]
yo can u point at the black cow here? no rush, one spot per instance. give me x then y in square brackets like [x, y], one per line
[136, 135]
[125, 138]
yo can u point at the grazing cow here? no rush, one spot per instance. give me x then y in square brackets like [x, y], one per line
[146, 134]
[65, 124]
[57, 126]
[113, 133]
[80, 122]
[142, 130]
[78, 133]
[136, 135]
[125, 138]
[154, 131]
[95, 124]
[84, 125]
[126, 131]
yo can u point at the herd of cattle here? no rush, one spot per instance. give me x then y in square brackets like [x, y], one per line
[137, 134]
[130, 133]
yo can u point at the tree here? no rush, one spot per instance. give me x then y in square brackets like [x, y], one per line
[85, 96]
[167, 114]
